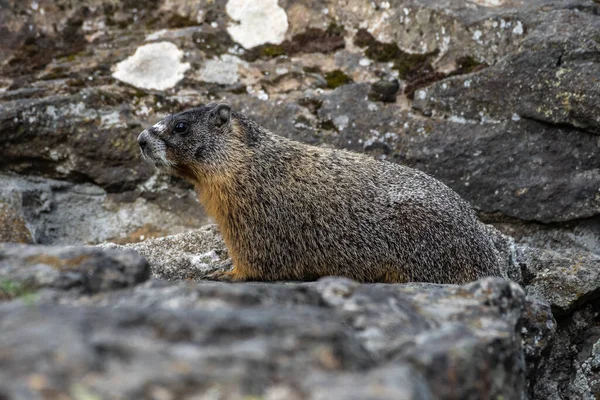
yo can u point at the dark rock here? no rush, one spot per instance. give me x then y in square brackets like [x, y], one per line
[336, 79]
[72, 137]
[316, 340]
[498, 102]
[60, 212]
[83, 269]
[384, 91]
[566, 280]
[569, 369]
[550, 79]
[490, 165]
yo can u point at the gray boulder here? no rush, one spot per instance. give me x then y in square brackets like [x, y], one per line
[26, 268]
[317, 340]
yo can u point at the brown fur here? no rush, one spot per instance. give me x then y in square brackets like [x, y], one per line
[289, 211]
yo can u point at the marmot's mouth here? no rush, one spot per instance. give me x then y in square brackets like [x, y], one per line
[156, 161]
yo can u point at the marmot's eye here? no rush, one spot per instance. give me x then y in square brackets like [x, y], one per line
[180, 127]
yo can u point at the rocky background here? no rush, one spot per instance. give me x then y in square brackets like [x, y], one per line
[496, 98]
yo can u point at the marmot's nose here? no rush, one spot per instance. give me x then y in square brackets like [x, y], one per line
[142, 140]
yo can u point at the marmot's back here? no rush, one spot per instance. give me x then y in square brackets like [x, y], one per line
[331, 212]
[292, 211]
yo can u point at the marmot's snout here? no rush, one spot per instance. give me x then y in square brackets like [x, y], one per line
[153, 149]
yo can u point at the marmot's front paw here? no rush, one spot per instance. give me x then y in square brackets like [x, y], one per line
[222, 276]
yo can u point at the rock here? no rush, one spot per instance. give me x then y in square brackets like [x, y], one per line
[506, 181]
[223, 70]
[191, 255]
[566, 369]
[549, 79]
[566, 280]
[234, 341]
[384, 91]
[579, 235]
[498, 101]
[75, 138]
[83, 269]
[59, 212]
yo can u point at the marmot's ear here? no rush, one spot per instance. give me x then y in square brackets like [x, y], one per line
[222, 114]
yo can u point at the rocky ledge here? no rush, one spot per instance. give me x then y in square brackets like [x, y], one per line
[102, 322]
[329, 339]
[496, 98]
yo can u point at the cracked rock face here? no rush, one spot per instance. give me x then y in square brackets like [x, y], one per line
[497, 99]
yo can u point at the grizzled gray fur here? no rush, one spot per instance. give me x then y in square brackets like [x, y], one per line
[288, 210]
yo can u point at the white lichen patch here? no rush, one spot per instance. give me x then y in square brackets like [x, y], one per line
[223, 70]
[258, 93]
[518, 29]
[260, 22]
[111, 120]
[204, 261]
[153, 66]
[341, 122]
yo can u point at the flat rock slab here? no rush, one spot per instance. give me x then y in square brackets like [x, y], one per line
[26, 268]
[333, 338]
[190, 255]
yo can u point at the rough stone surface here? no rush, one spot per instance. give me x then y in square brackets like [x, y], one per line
[566, 279]
[49, 211]
[84, 269]
[574, 373]
[532, 156]
[191, 255]
[496, 98]
[384, 91]
[316, 340]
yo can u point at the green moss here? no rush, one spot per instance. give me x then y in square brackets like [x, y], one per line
[76, 83]
[311, 103]
[407, 64]
[272, 51]
[327, 125]
[335, 29]
[382, 52]
[56, 73]
[179, 21]
[336, 79]
[312, 70]
[138, 93]
[468, 64]
[11, 289]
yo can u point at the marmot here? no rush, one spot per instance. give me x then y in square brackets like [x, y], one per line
[291, 211]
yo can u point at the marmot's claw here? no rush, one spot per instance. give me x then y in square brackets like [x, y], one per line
[222, 276]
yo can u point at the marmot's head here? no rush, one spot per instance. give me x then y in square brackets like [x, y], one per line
[192, 143]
